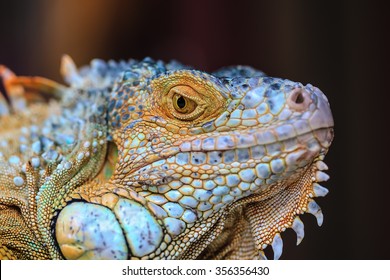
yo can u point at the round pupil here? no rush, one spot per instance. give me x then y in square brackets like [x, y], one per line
[181, 102]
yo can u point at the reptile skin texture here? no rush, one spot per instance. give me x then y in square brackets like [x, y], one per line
[153, 160]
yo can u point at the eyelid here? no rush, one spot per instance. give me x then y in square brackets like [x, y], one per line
[189, 116]
[178, 90]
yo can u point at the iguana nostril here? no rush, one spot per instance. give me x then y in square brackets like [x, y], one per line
[299, 99]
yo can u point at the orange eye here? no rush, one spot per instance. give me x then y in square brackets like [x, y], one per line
[183, 104]
[188, 98]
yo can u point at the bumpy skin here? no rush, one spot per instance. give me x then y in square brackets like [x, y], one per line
[147, 160]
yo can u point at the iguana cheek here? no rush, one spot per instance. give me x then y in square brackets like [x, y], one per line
[91, 231]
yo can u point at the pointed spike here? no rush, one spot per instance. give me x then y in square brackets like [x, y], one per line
[319, 190]
[69, 70]
[277, 246]
[262, 256]
[321, 176]
[68, 67]
[321, 165]
[315, 210]
[298, 227]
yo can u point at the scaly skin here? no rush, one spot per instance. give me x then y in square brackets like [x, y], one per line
[146, 160]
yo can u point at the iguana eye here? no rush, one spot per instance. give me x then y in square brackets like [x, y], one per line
[185, 103]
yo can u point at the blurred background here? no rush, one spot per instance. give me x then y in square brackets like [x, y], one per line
[342, 49]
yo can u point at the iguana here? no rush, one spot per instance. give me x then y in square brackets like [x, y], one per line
[153, 160]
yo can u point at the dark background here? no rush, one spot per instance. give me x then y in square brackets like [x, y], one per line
[340, 48]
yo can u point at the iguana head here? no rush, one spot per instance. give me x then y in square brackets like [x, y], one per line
[197, 151]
